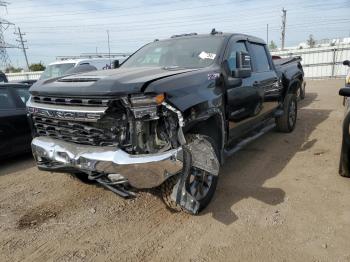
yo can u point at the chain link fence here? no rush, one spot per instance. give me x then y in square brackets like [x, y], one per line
[321, 62]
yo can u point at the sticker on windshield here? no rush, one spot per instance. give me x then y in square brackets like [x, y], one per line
[205, 55]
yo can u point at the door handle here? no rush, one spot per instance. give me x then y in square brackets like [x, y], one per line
[255, 83]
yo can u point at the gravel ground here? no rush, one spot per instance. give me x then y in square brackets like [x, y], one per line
[279, 199]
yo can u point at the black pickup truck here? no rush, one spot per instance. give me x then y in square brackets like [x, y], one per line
[168, 117]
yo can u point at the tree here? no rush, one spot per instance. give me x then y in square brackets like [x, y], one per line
[37, 67]
[272, 45]
[12, 69]
[311, 41]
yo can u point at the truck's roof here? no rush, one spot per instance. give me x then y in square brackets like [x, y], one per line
[226, 35]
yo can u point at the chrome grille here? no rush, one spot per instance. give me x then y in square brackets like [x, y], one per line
[71, 101]
[73, 132]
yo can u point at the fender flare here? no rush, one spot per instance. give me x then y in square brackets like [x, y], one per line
[294, 82]
[204, 116]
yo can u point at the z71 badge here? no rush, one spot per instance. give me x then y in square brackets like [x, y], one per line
[213, 76]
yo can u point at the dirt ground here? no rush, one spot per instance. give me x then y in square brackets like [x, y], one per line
[279, 199]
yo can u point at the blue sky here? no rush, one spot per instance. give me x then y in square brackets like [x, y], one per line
[66, 27]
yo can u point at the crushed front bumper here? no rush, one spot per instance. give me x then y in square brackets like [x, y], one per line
[141, 171]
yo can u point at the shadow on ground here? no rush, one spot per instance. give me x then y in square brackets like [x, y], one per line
[244, 174]
[16, 163]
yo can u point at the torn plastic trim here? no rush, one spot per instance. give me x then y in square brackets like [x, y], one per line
[180, 194]
[177, 112]
[180, 134]
[200, 154]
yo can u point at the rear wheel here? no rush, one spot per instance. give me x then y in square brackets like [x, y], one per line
[200, 184]
[302, 91]
[286, 123]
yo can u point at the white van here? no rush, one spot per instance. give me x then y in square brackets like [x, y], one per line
[59, 68]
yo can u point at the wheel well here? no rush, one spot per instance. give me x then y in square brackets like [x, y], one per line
[211, 127]
[294, 86]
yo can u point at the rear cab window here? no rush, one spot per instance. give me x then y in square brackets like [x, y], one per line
[260, 61]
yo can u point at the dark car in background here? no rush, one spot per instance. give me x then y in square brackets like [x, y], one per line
[345, 148]
[15, 134]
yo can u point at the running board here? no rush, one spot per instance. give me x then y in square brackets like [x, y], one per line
[278, 113]
[246, 141]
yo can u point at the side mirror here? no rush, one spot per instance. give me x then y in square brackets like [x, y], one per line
[230, 81]
[243, 66]
[116, 64]
[345, 91]
[346, 63]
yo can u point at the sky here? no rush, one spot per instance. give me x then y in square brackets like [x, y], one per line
[65, 27]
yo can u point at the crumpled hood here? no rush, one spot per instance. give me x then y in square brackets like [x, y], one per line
[114, 82]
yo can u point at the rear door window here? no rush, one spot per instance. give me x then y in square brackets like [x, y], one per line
[261, 62]
[6, 101]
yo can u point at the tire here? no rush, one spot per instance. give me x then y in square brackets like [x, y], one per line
[344, 163]
[286, 123]
[166, 189]
[302, 91]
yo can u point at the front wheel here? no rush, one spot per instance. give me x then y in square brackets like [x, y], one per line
[200, 184]
[286, 122]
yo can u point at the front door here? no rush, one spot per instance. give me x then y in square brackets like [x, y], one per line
[244, 102]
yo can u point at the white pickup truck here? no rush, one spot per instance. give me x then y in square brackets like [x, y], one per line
[60, 68]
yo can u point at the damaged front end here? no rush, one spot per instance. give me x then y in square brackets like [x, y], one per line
[132, 141]
[135, 136]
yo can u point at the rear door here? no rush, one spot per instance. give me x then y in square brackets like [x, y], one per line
[265, 77]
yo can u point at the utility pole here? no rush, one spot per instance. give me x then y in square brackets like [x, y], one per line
[109, 49]
[267, 34]
[21, 41]
[283, 36]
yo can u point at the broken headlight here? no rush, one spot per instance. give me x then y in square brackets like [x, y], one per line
[146, 100]
[145, 106]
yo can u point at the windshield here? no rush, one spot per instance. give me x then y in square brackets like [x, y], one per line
[178, 52]
[56, 70]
